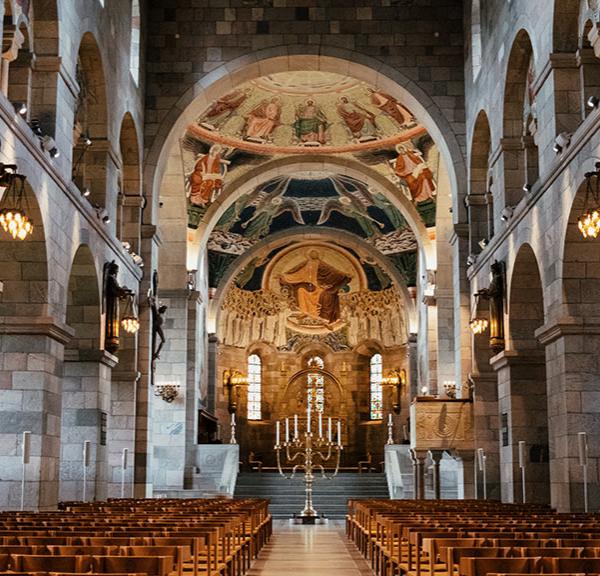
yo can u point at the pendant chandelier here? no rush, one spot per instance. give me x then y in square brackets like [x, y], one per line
[13, 214]
[130, 321]
[589, 221]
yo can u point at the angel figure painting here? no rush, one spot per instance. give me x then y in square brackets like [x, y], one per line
[263, 119]
[315, 287]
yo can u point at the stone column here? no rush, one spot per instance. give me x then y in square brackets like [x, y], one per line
[573, 372]
[85, 417]
[486, 423]
[169, 419]
[194, 373]
[468, 485]
[31, 355]
[213, 378]
[413, 381]
[418, 458]
[144, 447]
[436, 456]
[522, 406]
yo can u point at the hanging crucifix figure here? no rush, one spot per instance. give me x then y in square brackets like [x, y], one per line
[158, 320]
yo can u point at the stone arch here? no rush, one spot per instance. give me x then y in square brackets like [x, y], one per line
[282, 238]
[286, 58]
[265, 172]
[479, 200]
[579, 258]
[86, 384]
[90, 125]
[521, 156]
[24, 266]
[522, 387]
[130, 200]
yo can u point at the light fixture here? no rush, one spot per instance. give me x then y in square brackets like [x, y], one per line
[561, 142]
[86, 192]
[424, 390]
[396, 379]
[526, 188]
[507, 214]
[13, 216]
[477, 324]
[232, 380]
[36, 127]
[126, 246]
[471, 259]
[483, 243]
[86, 140]
[593, 102]
[589, 221]
[168, 391]
[106, 219]
[130, 321]
[450, 388]
[21, 108]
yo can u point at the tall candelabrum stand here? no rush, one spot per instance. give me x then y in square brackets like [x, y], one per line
[307, 447]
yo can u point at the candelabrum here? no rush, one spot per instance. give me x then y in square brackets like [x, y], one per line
[308, 451]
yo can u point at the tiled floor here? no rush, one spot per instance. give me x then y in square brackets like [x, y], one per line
[309, 551]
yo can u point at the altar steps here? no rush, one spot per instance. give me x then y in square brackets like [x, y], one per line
[330, 497]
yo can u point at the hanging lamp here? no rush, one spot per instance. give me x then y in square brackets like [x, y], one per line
[13, 208]
[589, 221]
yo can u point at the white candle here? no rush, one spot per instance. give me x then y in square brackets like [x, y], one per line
[390, 418]
[287, 429]
[320, 424]
[233, 418]
[329, 429]
[308, 419]
[295, 426]
[277, 433]
[339, 432]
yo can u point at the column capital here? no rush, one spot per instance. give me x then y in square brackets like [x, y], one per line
[41, 326]
[566, 326]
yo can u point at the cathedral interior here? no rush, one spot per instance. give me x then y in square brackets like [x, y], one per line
[243, 239]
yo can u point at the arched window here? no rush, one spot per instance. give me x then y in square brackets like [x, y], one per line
[315, 385]
[134, 47]
[376, 391]
[254, 386]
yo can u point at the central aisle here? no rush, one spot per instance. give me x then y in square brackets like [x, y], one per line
[309, 551]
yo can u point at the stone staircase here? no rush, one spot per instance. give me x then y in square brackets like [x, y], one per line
[330, 497]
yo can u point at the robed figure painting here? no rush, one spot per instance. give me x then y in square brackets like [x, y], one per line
[315, 286]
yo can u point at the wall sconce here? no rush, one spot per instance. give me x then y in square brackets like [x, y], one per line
[593, 102]
[450, 388]
[395, 378]
[477, 324]
[13, 216]
[232, 380]
[130, 321]
[589, 221]
[168, 391]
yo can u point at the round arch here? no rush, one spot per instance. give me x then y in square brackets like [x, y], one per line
[288, 58]
[249, 181]
[345, 239]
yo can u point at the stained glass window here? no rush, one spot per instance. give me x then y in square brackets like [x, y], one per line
[316, 385]
[254, 386]
[376, 374]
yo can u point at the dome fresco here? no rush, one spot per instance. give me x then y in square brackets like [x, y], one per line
[307, 112]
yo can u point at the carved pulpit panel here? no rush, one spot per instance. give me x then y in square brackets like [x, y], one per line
[441, 424]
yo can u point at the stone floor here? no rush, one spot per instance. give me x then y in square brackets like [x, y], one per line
[309, 551]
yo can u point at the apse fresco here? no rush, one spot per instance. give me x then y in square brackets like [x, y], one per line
[296, 113]
[323, 201]
[307, 292]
